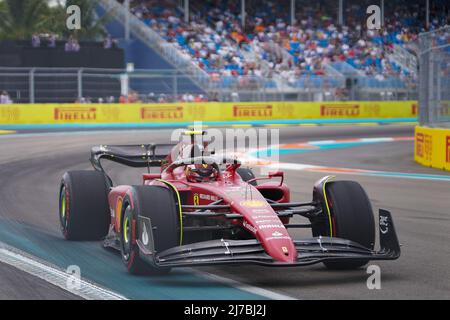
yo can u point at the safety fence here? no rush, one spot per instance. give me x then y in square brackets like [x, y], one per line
[67, 85]
[432, 137]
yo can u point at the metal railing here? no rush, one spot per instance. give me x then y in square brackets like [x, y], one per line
[405, 58]
[434, 78]
[46, 85]
[151, 38]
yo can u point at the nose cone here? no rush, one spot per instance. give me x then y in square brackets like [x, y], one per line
[261, 220]
[281, 249]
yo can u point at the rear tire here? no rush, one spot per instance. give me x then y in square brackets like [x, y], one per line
[247, 175]
[158, 204]
[352, 218]
[83, 206]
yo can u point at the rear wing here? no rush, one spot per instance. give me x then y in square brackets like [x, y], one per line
[136, 156]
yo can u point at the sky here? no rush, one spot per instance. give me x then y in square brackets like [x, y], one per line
[55, 2]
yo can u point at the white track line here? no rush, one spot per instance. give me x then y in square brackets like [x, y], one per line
[90, 291]
[242, 286]
[54, 275]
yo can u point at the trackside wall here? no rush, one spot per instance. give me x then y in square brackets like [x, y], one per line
[60, 114]
[432, 147]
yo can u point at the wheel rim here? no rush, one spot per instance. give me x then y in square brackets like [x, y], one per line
[126, 229]
[126, 233]
[63, 207]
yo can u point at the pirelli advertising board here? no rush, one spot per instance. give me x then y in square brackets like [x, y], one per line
[432, 147]
[208, 111]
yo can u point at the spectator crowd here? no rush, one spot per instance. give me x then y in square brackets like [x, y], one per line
[71, 44]
[269, 45]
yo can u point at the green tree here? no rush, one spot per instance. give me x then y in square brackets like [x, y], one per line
[92, 26]
[19, 19]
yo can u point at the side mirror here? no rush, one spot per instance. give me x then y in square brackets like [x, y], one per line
[276, 174]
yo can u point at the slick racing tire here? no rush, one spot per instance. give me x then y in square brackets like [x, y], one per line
[158, 204]
[246, 175]
[351, 218]
[83, 206]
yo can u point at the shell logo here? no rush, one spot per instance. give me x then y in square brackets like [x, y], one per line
[252, 203]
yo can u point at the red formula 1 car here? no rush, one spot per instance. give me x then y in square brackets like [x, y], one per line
[204, 210]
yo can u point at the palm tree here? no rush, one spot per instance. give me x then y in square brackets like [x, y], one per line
[92, 26]
[19, 19]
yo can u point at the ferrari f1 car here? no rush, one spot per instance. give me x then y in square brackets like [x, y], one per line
[200, 209]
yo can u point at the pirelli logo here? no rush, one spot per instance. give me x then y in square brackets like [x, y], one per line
[162, 112]
[75, 114]
[414, 109]
[252, 111]
[447, 149]
[424, 143]
[339, 110]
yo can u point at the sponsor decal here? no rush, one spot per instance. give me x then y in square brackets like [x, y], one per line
[9, 114]
[226, 245]
[447, 149]
[424, 144]
[384, 224]
[252, 203]
[208, 197]
[419, 144]
[196, 111]
[75, 113]
[249, 227]
[162, 112]
[339, 110]
[267, 221]
[252, 111]
[196, 200]
[271, 226]
[277, 234]
[118, 210]
[414, 109]
[144, 236]
[279, 238]
[265, 216]
[265, 212]
[285, 250]
[236, 191]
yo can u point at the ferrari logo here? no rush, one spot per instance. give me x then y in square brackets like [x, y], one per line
[196, 199]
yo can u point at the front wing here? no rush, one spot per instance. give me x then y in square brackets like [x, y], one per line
[309, 251]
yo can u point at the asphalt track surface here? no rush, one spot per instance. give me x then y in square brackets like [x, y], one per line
[31, 166]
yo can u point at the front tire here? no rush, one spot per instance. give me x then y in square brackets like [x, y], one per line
[83, 206]
[158, 204]
[351, 218]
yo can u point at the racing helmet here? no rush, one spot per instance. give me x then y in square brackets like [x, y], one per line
[201, 173]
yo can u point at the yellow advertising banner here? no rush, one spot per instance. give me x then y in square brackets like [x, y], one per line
[207, 111]
[432, 147]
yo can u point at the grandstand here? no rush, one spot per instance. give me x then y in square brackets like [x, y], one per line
[297, 45]
[246, 50]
